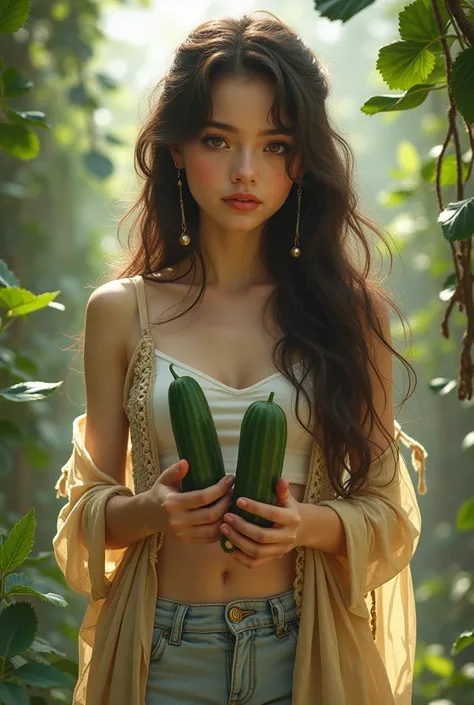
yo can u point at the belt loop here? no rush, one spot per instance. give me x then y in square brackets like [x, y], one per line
[177, 626]
[278, 617]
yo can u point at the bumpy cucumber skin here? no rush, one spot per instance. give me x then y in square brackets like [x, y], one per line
[195, 433]
[261, 454]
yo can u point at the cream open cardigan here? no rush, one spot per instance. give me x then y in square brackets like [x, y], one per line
[338, 661]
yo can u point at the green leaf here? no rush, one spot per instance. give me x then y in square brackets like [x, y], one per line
[18, 626]
[21, 302]
[448, 170]
[98, 164]
[341, 9]
[465, 517]
[417, 22]
[13, 694]
[49, 597]
[439, 73]
[392, 198]
[13, 15]
[42, 675]
[442, 386]
[106, 82]
[66, 665]
[18, 579]
[462, 83]
[7, 278]
[15, 83]
[407, 157]
[30, 117]
[457, 220]
[405, 64]
[468, 443]
[465, 639]
[449, 286]
[22, 584]
[36, 304]
[29, 391]
[19, 141]
[19, 543]
[440, 665]
[412, 98]
[41, 646]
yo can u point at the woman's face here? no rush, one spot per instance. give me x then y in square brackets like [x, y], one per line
[238, 158]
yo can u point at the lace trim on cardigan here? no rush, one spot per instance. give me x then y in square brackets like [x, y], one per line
[139, 410]
[318, 487]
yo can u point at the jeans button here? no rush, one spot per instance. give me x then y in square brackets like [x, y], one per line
[235, 615]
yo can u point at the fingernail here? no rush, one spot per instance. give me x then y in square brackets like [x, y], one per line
[242, 502]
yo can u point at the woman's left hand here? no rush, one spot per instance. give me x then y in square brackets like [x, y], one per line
[255, 544]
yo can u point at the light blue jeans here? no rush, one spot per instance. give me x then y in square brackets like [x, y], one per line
[235, 653]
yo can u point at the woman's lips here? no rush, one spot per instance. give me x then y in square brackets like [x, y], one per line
[241, 205]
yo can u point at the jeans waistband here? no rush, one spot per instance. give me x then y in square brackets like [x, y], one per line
[234, 616]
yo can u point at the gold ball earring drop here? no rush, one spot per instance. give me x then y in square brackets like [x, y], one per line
[184, 237]
[295, 250]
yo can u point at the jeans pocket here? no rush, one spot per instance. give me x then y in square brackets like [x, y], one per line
[294, 627]
[159, 641]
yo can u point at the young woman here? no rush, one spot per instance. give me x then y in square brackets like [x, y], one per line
[247, 209]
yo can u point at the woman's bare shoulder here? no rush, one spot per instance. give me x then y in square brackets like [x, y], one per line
[115, 293]
[112, 309]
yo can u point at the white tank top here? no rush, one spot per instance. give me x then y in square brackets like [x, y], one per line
[228, 406]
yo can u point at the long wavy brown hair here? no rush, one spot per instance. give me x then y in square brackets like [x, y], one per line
[323, 300]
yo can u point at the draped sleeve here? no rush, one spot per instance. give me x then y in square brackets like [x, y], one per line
[119, 584]
[360, 648]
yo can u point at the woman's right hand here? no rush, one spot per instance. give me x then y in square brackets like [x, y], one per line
[185, 514]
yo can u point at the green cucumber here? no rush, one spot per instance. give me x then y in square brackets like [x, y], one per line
[261, 454]
[195, 433]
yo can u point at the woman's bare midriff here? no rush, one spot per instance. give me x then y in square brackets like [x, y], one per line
[204, 572]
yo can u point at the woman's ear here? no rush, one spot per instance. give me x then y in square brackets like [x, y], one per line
[176, 155]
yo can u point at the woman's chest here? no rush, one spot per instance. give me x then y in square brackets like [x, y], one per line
[229, 339]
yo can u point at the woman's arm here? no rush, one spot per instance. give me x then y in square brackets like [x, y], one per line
[111, 320]
[322, 529]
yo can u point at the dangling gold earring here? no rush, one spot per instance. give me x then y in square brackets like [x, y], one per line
[295, 250]
[184, 237]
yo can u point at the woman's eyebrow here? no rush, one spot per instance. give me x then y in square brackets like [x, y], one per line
[231, 128]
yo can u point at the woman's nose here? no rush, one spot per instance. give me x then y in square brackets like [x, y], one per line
[244, 168]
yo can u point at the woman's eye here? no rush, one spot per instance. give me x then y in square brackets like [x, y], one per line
[284, 145]
[217, 142]
[212, 138]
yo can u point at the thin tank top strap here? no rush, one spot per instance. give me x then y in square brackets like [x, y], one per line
[141, 301]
